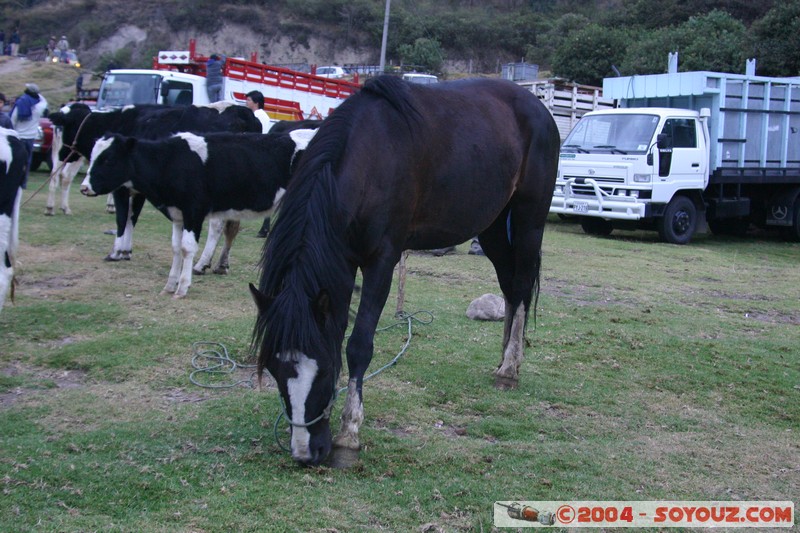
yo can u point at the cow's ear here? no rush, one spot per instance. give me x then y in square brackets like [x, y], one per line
[262, 300]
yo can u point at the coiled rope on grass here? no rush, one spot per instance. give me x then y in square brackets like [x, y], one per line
[213, 360]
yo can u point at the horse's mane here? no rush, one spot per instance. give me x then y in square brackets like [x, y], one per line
[307, 251]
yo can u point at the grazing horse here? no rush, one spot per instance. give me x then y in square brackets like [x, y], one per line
[13, 160]
[397, 166]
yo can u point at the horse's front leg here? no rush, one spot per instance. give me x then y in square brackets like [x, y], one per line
[230, 230]
[377, 280]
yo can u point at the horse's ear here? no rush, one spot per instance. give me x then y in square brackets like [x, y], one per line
[322, 307]
[262, 300]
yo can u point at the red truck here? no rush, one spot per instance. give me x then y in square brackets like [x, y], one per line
[42, 145]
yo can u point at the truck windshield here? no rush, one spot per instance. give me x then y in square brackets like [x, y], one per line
[119, 90]
[618, 133]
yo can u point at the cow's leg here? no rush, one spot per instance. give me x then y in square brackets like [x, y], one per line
[50, 209]
[230, 230]
[190, 239]
[68, 174]
[124, 225]
[175, 270]
[110, 205]
[9, 239]
[214, 231]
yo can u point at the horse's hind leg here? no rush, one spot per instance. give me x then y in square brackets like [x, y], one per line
[517, 268]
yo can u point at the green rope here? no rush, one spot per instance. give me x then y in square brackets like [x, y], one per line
[217, 362]
[212, 359]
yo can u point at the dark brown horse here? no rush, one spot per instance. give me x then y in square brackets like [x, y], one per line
[396, 167]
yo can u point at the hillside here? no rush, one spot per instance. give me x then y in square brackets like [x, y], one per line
[56, 81]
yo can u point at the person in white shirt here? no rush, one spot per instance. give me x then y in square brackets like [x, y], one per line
[255, 102]
[25, 115]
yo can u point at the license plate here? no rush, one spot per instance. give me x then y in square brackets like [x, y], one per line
[580, 207]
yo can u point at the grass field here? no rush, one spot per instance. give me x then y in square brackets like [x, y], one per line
[654, 372]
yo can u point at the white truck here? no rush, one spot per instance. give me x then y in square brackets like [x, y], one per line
[684, 149]
[178, 78]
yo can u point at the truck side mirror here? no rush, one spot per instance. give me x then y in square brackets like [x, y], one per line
[664, 143]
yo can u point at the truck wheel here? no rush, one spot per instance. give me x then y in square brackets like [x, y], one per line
[596, 226]
[792, 233]
[679, 221]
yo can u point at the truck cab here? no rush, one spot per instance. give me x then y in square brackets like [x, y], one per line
[130, 86]
[635, 167]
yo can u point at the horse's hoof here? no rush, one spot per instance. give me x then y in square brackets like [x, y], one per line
[66, 211]
[112, 259]
[199, 272]
[49, 211]
[221, 271]
[343, 458]
[504, 383]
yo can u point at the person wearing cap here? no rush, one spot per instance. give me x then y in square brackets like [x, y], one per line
[51, 47]
[25, 115]
[63, 46]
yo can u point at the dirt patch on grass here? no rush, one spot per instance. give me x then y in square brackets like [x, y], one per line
[37, 381]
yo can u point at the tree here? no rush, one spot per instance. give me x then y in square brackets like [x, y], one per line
[715, 41]
[425, 53]
[587, 54]
[777, 40]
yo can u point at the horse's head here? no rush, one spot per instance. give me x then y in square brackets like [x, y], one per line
[306, 378]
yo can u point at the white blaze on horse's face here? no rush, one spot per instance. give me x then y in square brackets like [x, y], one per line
[298, 389]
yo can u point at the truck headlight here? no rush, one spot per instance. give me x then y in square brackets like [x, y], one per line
[641, 178]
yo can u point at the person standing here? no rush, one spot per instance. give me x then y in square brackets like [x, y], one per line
[25, 115]
[255, 102]
[63, 46]
[214, 67]
[14, 43]
[51, 47]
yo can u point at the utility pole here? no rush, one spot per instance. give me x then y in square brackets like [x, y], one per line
[385, 36]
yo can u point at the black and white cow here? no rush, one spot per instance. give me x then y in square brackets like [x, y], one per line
[81, 129]
[191, 177]
[13, 160]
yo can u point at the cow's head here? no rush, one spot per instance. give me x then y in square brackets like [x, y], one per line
[70, 118]
[111, 165]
